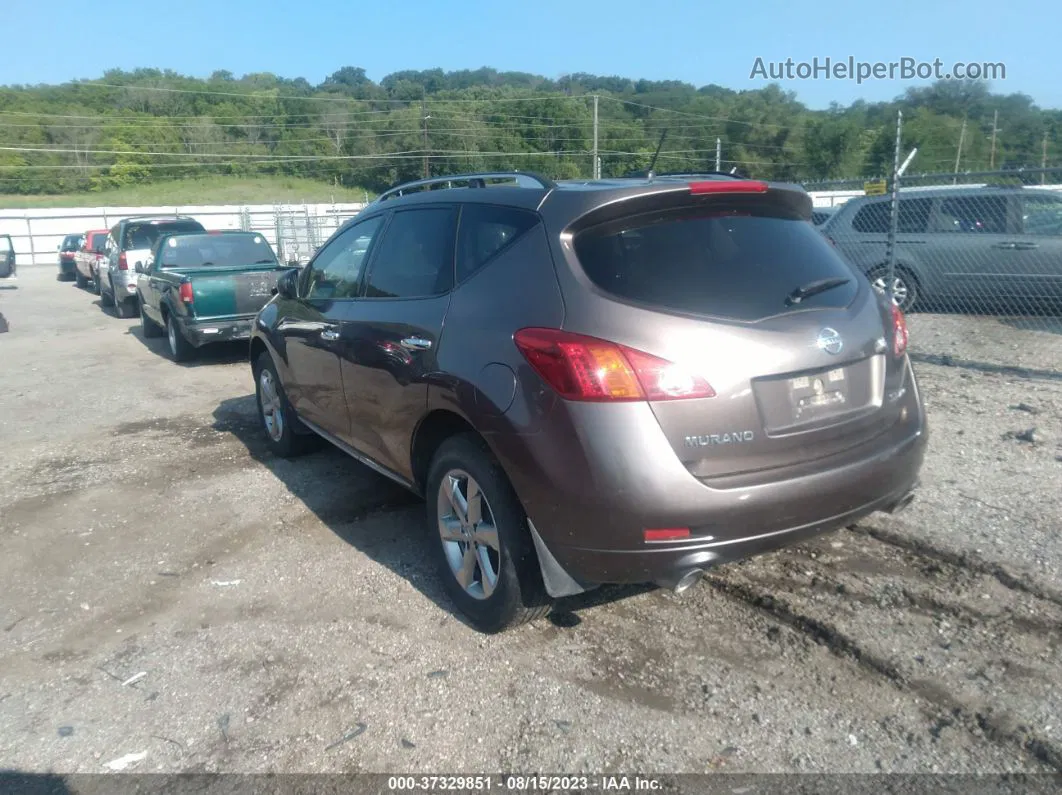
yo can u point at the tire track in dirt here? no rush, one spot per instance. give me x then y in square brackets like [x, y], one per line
[981, 646]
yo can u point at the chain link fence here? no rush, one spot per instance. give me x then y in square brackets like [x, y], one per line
[974, 260]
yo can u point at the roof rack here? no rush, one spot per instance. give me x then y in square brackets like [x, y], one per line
[470, 181]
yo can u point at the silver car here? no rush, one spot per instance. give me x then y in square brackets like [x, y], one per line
[129, 243]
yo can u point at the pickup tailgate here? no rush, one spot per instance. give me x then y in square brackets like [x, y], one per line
[219, 292]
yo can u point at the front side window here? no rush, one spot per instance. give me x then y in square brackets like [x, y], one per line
[416, 256]
[336, 270]
[913, 215]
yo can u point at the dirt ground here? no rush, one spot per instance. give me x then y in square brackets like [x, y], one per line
[171, 591]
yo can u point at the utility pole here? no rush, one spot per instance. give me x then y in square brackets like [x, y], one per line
[1043, 160]
[425, 117]
[718, 154]
[995, 129]
[596, 164]
[958, 154]
[894, 211]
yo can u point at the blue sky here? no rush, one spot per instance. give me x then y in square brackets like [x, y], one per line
[696, 41]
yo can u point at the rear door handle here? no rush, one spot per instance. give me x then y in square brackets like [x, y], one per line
[415, 344]
[329, 334]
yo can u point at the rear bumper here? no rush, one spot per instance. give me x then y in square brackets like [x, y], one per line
[204, 332]
[67, 267]
[592, 485]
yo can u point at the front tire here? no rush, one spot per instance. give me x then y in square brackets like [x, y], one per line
[904, 286]
[181, 350]
[278, 419]
[148, 327]
[486, 558]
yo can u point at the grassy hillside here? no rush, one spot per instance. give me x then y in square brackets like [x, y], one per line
[208, 190]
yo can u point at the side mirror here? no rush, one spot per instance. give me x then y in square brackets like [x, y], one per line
[288, 285]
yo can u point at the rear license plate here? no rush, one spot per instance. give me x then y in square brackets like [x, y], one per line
[813, 396]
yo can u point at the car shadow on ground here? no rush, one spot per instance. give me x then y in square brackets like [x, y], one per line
[377, 517]
[217, 353]
[33, 783]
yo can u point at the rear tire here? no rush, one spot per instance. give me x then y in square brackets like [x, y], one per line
[278, 418]
[81, 281]
[486, 557]
[181, 350]
[106, 298]
[148, 327]
[122, 308]
[905, 286]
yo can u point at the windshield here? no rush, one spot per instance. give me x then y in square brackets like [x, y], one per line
[217, 250]
[145, 235]
[737, 266]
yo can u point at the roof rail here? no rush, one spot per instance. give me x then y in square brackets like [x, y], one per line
[471, 181]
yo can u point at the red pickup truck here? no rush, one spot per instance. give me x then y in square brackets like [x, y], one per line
[93, 247]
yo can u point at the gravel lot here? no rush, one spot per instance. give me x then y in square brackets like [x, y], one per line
[170, 589]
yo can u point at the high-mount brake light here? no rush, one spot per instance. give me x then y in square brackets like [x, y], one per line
[728, 186]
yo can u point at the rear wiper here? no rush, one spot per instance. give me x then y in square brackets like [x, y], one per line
[814, 288]
[265, 262]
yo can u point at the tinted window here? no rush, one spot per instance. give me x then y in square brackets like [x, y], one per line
[204, 251]
[1042, 215]
[733, 266]
[336, 271]
[98, 242]
[71, 242]
[145, 235]
[972, 214]
[416, 256]
[485, 231]
[5, 243]
[874, 218]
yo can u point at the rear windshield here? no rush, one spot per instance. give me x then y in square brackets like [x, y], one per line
[735, 266]
[70, 242]
[205, 251]
[145, 235]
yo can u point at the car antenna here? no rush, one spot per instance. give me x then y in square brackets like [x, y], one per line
[656, 154]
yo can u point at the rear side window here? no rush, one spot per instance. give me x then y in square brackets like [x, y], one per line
[874, 218]
[985, 214]
[1042, 215]
[739, 267]
[416, 255]
[485, 231]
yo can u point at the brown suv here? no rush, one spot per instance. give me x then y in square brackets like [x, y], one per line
[611, 381]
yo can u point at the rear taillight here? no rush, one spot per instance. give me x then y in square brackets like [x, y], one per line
[590, 369]
[728, 186]
[900, 336]
[123, 262]
[185, 292]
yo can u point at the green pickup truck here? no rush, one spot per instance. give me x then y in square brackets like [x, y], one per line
[204, 287]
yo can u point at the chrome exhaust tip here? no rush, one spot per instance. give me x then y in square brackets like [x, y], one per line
[902, 503]
[688, 580]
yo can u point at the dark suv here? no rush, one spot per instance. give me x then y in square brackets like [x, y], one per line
[616, 381]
